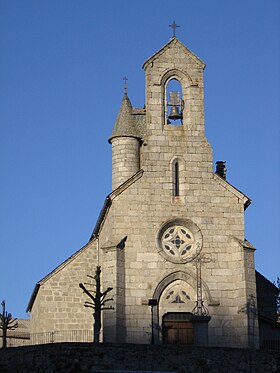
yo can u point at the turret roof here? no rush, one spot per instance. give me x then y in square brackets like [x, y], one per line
[125, 125]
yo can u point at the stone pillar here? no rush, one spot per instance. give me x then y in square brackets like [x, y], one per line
[120, 297]
[200, 330]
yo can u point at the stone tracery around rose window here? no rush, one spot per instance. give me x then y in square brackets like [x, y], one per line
[179, 240]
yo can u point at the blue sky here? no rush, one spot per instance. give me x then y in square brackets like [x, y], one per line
[61, 84]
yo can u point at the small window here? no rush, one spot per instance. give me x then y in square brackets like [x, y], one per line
[176, 178]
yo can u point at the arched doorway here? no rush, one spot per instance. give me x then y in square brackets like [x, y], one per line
[176, 293]
[175, 306]
[177, 328]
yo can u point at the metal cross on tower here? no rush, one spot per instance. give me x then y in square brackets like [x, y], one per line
[125, 85]
[174, 26]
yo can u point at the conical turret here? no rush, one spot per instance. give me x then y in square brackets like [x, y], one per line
[125, 140]
[124, 125]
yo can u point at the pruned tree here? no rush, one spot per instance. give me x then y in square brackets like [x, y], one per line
[6, 323]
[97, 303]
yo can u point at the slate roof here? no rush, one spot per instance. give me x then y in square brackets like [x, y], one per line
[129, 121]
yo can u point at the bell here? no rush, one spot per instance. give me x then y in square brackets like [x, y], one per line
[174, 113]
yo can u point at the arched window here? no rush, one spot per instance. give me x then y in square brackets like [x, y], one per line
[176, 177]
[174, 102]
[176, 184]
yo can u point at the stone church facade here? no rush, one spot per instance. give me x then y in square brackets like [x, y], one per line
[170, 236]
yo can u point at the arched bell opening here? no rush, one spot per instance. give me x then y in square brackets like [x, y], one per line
[174, 103]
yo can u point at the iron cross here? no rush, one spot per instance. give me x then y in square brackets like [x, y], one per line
[200, 309]
[125, 84]
[174, 26]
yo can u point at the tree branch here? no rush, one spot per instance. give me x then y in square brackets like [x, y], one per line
[106, 300]
[87, 305]
[86, 291]
[107, 308]
[103, 295]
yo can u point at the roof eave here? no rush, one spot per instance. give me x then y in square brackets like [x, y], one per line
[108, 202]
[115, 136]
[245, 199]
[32, 298]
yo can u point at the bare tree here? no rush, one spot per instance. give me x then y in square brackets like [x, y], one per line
[97, 303]
[6, 323]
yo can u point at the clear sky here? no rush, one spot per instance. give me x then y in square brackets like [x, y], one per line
[62, 65]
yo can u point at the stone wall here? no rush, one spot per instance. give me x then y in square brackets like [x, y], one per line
[267, 293]
[142, 208]
[206, 202]
[59, 305]
[86, 358]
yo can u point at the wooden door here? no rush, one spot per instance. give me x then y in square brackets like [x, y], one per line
[177, 332]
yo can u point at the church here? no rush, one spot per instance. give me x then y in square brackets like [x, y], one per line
[170, 236]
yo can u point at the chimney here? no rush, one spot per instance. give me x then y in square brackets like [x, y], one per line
[221, 169]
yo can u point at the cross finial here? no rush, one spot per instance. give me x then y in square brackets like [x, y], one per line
[174, 26]
[125, 85]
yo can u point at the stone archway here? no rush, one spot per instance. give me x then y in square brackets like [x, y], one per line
[176, 294]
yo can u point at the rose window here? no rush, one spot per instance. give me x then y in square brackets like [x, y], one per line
[177, 241]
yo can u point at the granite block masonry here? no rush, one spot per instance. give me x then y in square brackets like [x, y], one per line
[183, 223]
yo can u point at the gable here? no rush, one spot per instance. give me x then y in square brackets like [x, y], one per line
[230, 188]
[172, 43]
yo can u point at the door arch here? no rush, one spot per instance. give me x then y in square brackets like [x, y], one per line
[188, 279]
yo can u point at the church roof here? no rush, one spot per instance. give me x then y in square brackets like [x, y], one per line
[240, 195]
[53, 272]
[171, 42]
[126, 123]
[109, 199]
[95, 233]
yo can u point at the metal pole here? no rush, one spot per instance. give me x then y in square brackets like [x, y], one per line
[152, 339]
[152, 303]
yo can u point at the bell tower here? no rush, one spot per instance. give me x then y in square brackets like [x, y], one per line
[175, 119]
[175, 62]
